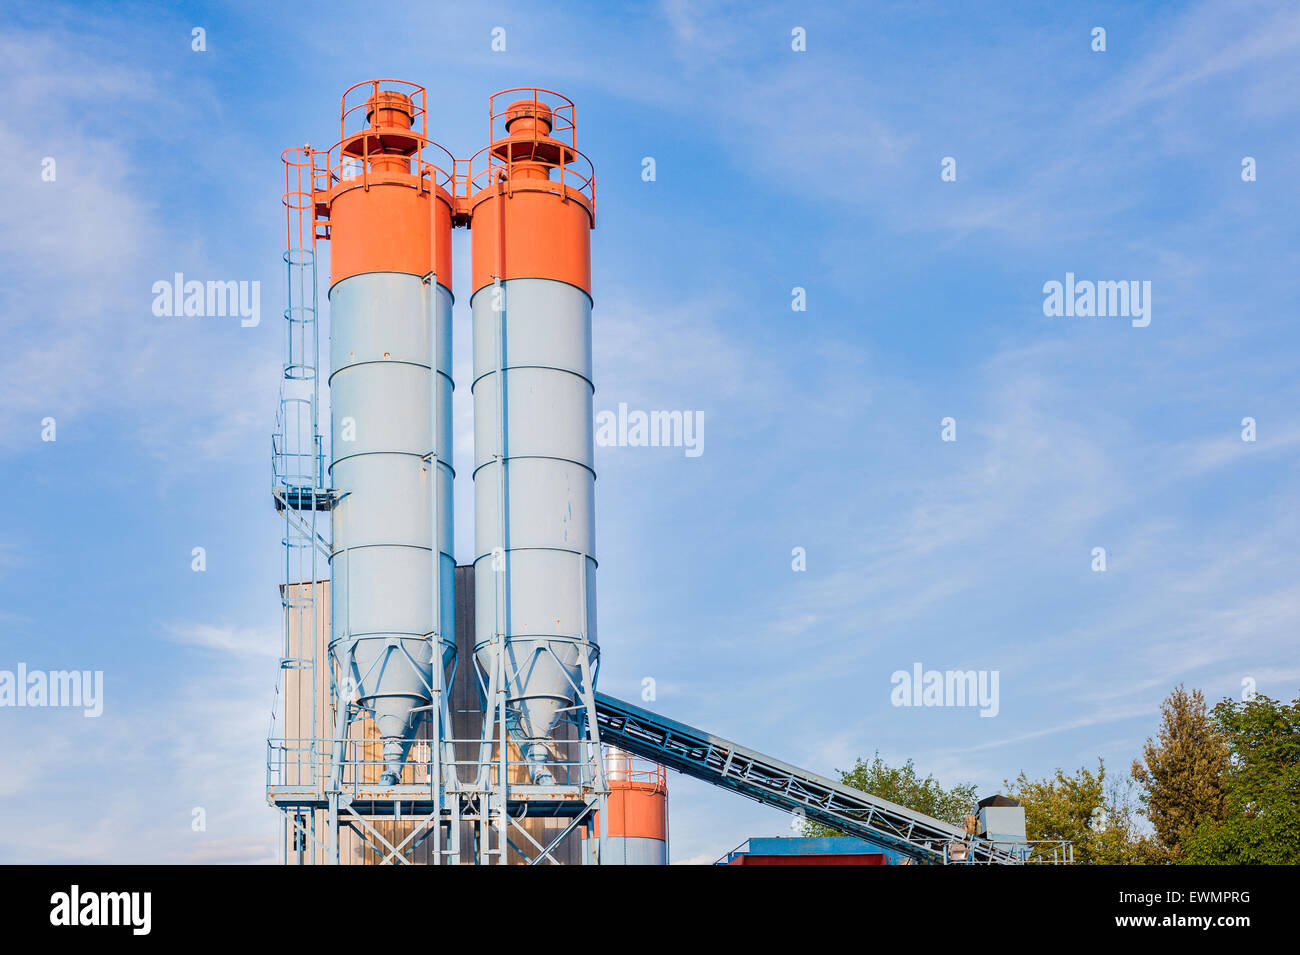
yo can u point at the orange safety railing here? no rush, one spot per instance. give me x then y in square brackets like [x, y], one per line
[564, 115]
[313, 175]
[412, 91]
[340, 166]
[624, 769]
[493, 163]
[299, 212]
[360, 139]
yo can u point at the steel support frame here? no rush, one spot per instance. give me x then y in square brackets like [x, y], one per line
[501, 800]
[489, 800]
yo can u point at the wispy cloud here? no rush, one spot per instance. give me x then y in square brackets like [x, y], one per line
[255, 642]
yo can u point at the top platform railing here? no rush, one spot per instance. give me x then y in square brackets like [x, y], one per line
[623, 769]
[338, 166]
[548, 146]
[354, 110]
[369, 141]
[565, 164]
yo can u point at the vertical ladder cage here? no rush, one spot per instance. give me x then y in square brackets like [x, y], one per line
[301, 494]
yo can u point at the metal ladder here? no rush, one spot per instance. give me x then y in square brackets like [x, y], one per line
[298, 485]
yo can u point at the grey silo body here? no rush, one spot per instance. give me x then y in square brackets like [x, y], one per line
[541, 584]
[389, 346]
[635, 850]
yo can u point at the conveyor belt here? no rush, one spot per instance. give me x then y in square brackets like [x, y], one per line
[774, 783]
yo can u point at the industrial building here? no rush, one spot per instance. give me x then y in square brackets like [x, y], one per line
[443, 714]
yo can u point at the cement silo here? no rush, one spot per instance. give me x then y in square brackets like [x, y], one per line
[531, 210]
[388, 215]
[637, 810]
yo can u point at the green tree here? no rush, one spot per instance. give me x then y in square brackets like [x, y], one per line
[1098, 819]
[1261, 825]
[1182, 770]
[903, 785]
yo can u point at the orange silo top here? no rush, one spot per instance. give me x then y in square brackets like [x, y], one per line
[384, 204]
[531, 194]
[638, 797]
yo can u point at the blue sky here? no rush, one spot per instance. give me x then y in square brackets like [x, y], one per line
[775, 169]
